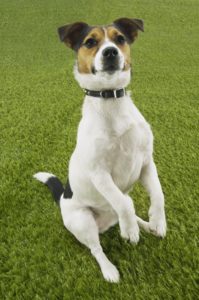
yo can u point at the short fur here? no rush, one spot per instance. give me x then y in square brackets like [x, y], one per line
[114, 147]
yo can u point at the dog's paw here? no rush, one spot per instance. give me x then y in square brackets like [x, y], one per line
[110, 273]
[129, 230]
[157, 223]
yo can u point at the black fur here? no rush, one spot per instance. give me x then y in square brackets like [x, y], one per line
[68, 192]
[129, 27]
[57, 189]
[73, 34]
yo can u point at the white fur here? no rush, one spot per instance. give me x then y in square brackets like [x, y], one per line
[98, 61]
[114, 149]
[43, 176]
[102, 80]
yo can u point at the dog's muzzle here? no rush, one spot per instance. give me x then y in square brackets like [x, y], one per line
[110, 59]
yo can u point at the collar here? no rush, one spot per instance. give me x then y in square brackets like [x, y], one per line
[106, 93]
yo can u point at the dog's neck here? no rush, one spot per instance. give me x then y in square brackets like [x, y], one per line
[103, 81]
[115, 113]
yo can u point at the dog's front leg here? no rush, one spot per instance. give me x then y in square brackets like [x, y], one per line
[121, 203]
[149, 179]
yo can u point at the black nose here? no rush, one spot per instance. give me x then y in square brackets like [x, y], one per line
[110, 52]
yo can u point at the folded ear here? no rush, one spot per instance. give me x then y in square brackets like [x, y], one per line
[129, 27]
[73, 34]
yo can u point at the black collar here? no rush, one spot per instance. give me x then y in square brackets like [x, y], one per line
[106, 93]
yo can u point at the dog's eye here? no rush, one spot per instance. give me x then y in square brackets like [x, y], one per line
[120, 39]
[90, 43]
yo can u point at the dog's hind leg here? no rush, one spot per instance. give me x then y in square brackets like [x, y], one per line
[81, 223]
[105, 220]
[143, 224]
[150, 180]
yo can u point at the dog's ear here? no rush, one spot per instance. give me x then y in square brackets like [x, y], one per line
[129, 27]
[73, 34]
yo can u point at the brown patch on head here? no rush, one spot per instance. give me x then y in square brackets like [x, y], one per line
[117, 37]
[89, 47]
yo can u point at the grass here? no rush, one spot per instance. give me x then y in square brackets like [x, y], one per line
[40, 108]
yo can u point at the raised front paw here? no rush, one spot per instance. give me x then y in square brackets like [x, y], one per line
[157, 222]
[129, 230]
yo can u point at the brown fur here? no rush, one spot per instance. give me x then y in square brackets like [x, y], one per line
[86, 56]
[112, 33]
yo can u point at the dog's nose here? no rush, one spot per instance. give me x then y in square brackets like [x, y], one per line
[110, 52]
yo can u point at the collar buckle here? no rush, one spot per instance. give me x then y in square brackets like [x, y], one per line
[115, 93]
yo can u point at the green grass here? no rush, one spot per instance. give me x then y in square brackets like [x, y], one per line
[40, 108]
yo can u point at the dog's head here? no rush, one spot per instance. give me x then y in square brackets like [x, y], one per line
[103, 52]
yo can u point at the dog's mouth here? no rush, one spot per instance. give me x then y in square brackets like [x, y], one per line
[109, 68]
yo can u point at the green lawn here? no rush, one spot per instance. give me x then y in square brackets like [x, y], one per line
[40, 107]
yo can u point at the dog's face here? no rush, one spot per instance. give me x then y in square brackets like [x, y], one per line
[103, 52]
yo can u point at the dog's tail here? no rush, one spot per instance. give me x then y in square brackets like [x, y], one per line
[52, 182]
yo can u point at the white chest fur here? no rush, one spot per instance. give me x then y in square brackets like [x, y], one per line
[113, 136]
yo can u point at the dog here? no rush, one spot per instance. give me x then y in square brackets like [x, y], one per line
[114, 146]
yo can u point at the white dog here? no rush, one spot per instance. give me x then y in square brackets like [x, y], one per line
[114, 144]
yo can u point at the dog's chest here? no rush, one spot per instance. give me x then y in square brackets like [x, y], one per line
[126, 153]
[116, 139]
